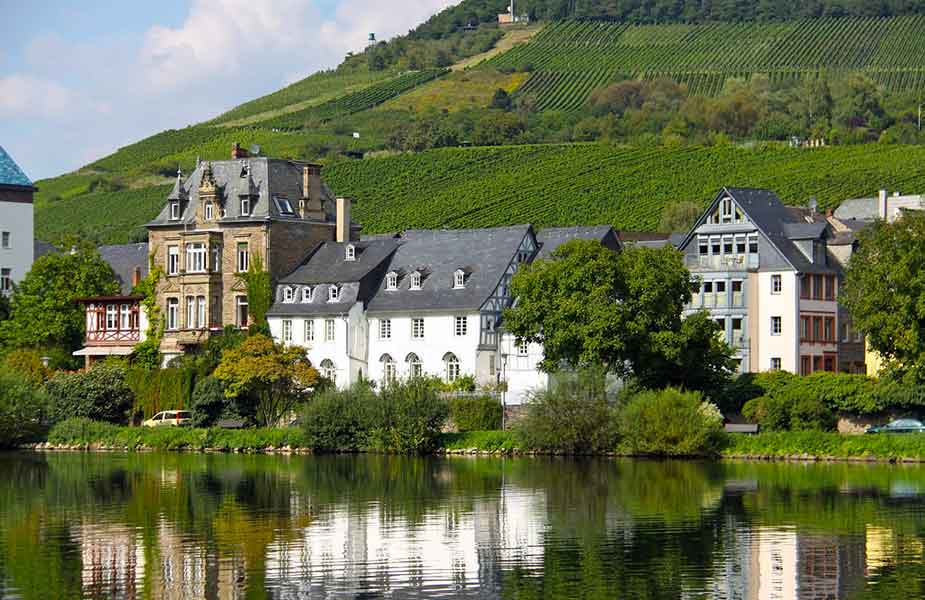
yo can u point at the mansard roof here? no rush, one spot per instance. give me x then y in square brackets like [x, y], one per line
[10, 173]
[551, 238]
[124, 259]
[484, 254]
[260, 176]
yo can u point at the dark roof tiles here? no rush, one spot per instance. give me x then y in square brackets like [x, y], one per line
[124, 259]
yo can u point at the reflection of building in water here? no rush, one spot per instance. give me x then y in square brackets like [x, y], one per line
[113, 560]
[829, 566]
[885, 548]
[368, 548]
[772, 573]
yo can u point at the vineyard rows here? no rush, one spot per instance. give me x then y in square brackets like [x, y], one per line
[570, 59]
[364, 99]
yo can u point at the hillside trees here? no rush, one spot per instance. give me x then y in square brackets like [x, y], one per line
[589, 306]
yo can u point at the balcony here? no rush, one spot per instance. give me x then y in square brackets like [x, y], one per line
[114, 337]
[732, 262]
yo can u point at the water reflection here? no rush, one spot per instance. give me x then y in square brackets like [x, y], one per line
[215, 526]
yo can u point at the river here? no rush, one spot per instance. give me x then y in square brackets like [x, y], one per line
[235, 526]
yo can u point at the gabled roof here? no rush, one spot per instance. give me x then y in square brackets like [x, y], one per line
[551, 238]
[328, 263]
[124, 259]
[782, 225]
[484, 254]
[10, 173]
[260, 176]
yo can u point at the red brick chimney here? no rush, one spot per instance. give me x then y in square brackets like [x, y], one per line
[238, 152]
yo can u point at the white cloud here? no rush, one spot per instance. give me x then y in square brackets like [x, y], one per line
[22, 96]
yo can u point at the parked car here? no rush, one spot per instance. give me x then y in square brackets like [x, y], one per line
[899, 426]
[169, 418]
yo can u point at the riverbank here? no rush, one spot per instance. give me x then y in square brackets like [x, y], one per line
[803, 446]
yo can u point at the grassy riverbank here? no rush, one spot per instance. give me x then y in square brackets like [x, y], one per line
[815, 444]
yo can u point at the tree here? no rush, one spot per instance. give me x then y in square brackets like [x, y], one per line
[589, 306]
[43, 312]
[679, 217]
[501, 100]
[267, 380]
[883, 291]
[259, 294]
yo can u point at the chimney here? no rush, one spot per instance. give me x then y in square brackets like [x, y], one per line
[343, 219]
[136, 277]
[882, 204]
[310, 206]
[238, 152]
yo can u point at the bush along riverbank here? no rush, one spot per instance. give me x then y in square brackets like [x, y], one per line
[815, 445]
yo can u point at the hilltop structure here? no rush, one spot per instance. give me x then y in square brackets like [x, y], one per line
[16, 223]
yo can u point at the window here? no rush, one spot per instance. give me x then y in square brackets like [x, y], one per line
[416, 280]
[173, 260]
[190, 312]
[727, 245]
[6, 240]
[451, 364]
[461, 326]
[417, 329]
[817, 287]
[740, 244]
[391, 281]
[174, 211]
[817, 363]
[241, 316]
[385, 329]
[173, 309]
[776, 326]
[726, 212]
[216, 259]
[309, 330]
[288, 295]
[829, 329]
[306, 295]
[459, 279]
[196, 258]
[817, 329]
[703, 246]
[775, 364]
[126, 321]
[350, 253]
[112, 317]
[829, 364]
[388, 369]
[753, 243]
[806, 366]
[283, 205]
[333, 293]
[830, 287]
[806, 285]
[210, 211]
[523, 348]
[714, 246]
[328, 370]
[329, 330]
[287, 330]
[415, 369]
[243, 257]
[201, 317]
[245, 207]
[805, 332]
[777, 285]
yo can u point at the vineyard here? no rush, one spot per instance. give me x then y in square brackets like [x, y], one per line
[570, 59]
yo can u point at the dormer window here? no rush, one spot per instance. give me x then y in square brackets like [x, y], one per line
[306, 295]
[416, 280]
[459, 279]
[350, 253]
[288, 295]
[333, 293]
[245, 207]
[210, 211]
[283, 205]
[391, 281]
[174, 211]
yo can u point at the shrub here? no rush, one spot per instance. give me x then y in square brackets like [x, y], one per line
[406, 417]
[338, 420]
[476, 413]
[100, 394]
[161, 389]
[769, 412]
[572, 417]
[27, 363]
[809, 413]
[23, 410]
[791, 410]
[671, 422]
[209, 404]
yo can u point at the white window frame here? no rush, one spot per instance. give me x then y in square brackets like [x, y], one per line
[777, 284]
[385, 329]
[191, 312]
[333, 293]
[329, 370]
[209, 211]
[175, 210]
[308, 330]
[451, 367]
[216, 258]
[239, 302]
[523, 348]
[287, 331]
[306, 295]
[288, 295]
[112, 317]
[459, 280]
[778, 324]
[246, 206]
[173, 260]
[330, 334]
[196, 257]
[125, 317]
[460, 326]
[415, 280]
[389, 370]
[350, 253]
[417, 328]
[201, 312]
[415, 366]
[6, 279]
[776, 363]
[391, 281]
[173, 313]
[243, 257]
[7, 240]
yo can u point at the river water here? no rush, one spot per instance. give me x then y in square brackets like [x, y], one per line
[233, 526]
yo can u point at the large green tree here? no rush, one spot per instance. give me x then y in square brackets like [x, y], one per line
[43, 312]
[885, 292]
[591, 306]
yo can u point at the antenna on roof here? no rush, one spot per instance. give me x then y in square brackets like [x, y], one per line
[255, 149]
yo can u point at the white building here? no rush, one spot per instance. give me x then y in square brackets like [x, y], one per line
[421, 303]
[767, 279]
[16, 223]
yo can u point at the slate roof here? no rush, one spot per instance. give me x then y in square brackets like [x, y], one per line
[264, 177]
[483, 253]
[10, 173]
[551, 238]
[124, 259]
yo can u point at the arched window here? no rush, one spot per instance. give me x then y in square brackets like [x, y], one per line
[459, 279]
[328, 370]
[388, 369]
[451, 364]
[391, 281]
[415, 369]
[333, 293]
[416, 280]
[288, 294]
[351, 253]
[306, 295]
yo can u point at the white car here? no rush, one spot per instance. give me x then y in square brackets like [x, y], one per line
[169, 418]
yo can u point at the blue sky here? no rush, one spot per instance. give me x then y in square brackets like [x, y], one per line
[80, 79]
